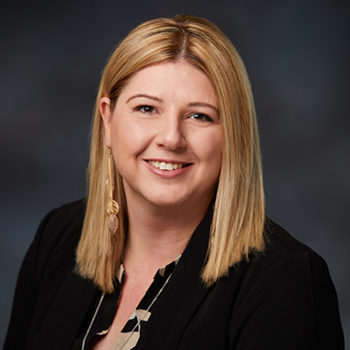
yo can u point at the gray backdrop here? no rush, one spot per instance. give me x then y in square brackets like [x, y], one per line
[297, 56]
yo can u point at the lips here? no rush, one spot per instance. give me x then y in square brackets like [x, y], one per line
[167, 165]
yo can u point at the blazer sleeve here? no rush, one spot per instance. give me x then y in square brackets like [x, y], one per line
[292, 306]
[25, 294]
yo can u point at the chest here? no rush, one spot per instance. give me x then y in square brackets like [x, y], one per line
[131, 295]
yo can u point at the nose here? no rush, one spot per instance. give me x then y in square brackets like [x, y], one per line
[170, 134]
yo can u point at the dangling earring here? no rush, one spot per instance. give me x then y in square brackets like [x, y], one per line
[113, 207]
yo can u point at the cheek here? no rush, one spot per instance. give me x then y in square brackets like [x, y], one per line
[209, 152]
[128, 139]
[215, 159]
[213, 147]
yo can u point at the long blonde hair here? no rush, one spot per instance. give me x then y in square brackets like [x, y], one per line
[239, 210]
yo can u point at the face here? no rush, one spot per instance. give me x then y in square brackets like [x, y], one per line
[166, 136]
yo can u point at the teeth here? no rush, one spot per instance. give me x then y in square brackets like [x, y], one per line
[166, 166]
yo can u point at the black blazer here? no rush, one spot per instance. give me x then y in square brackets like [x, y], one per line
[282, 299]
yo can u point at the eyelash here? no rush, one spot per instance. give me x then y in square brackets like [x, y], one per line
[201, 117]
[147, 109]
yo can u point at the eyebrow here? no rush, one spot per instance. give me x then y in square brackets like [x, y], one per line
[192, 104]
[203, 104]
[146, 96]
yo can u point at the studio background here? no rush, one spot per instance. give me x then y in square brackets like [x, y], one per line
[297, 56]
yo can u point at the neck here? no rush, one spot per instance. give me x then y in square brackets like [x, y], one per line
[158, 235]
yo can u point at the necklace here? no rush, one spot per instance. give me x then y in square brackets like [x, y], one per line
[92, 321]
[147, 310]
[138, 320]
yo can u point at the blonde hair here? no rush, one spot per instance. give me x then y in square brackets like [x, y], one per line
[239, 209]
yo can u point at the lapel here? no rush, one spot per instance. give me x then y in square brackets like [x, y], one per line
[66, 314]
[181, 297]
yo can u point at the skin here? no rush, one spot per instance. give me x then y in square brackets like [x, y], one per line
[168, 113]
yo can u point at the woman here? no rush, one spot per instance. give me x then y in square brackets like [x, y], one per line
[172, 249]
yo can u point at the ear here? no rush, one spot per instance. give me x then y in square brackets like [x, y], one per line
[106, 114]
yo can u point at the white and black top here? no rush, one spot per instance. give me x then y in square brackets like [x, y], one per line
[104, 312]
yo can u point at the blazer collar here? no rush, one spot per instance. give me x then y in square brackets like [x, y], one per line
[66, 314]
[181, 297]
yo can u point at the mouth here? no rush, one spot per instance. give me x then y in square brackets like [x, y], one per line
[168, 166]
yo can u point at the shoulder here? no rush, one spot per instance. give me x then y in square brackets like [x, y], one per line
[58, 235]
[282, 246]
[70, 214]
[287, 276]
[278, 235]
[63, 221]
[49, 263]
[290, 285]
[277, 238]
[297, 266]
[285, 256]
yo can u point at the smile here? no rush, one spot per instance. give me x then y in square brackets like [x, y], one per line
[167, 166]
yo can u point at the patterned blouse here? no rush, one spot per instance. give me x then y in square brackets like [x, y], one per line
[100, 320]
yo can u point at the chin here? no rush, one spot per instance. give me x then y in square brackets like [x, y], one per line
[168, 203]
[169, 200]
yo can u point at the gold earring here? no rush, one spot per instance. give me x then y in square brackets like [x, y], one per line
[113, 207]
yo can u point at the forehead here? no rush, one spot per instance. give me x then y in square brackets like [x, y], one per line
[171, 79]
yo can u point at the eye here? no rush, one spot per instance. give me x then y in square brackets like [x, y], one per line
[201, 117]
[145, 109]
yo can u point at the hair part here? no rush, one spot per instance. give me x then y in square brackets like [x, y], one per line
[239, 207]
